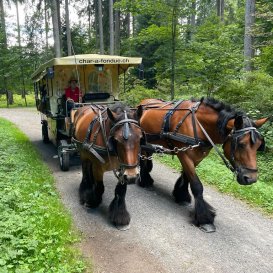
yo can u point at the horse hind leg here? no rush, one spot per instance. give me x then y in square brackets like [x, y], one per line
[181, 190]
[90, 191]
[145, 179]
[118, 213]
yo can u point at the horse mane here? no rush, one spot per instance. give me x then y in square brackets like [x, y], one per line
[226, 112]
[119, 107]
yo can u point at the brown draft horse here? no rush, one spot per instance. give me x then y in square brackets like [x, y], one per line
[190, 129]
[108, 139]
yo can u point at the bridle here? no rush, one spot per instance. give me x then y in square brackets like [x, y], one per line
[235, 135]
[125, 123]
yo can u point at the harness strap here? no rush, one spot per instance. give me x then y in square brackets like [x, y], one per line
[228, 165]
[89, 131]
[193, 110]
[88, 147]
[186, 139]
[167, 119]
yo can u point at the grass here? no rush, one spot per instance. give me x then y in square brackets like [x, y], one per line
[36, 232]
[212, 171]
[18, 101]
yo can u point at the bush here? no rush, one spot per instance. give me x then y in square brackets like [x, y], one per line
[253, 93]
[138, 93]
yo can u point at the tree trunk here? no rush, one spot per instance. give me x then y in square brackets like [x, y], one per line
[173, 40]
[59, 23]
[4, 45]
[3, 24]
[127, 23]
[100, 27]
[191, 21]
[248, 39]
[89, 21]
[23, 93]
[46, 25]
[111, 27]
[68, 32]
[220, 4]
[117, 32]
[56, 34]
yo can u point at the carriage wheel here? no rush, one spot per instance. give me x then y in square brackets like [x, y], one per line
[63, 155]
[45, 133]
[64, 161]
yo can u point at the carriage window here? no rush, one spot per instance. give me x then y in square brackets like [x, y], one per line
[100, 82]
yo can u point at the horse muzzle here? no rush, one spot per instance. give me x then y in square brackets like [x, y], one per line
[247, 176]
[131, 175]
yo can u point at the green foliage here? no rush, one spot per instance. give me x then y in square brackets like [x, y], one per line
[35, 231]
[253, 92]
[212, 57]
[135, 95]
[18, 101]
[212, 171]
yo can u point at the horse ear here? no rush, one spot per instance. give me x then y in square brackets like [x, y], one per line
[239, 122]
[230, 124]
[138, 112]
[111, 115]
[260, 122]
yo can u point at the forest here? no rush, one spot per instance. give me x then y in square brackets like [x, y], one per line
[190, 48]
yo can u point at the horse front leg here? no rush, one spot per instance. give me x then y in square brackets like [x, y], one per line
[118, 213]
[91, 188]
[146, 166]
[204, 213]
[181, 190]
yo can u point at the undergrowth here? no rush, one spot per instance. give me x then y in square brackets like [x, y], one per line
[212, 171]
[36, 233]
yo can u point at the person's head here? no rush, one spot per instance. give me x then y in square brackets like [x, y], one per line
[73, 83]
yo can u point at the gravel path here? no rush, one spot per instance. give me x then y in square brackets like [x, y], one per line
[161, 238]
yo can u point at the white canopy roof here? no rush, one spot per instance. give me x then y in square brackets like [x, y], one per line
[87, 59]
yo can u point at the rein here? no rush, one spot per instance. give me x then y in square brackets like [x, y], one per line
[228, 165]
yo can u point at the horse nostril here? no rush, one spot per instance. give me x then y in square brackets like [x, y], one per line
[249, 180]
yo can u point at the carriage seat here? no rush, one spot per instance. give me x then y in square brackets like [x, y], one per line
[101, 96]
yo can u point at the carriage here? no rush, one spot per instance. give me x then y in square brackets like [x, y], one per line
[98, 78]
[116, 138]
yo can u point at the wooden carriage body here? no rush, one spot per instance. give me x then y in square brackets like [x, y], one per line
[98, 78]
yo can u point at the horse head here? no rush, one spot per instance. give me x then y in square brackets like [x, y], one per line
[124, 139]
[241, 145]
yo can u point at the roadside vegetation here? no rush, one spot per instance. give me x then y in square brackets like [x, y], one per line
[212, 171]
[18, 101]
[36, 232]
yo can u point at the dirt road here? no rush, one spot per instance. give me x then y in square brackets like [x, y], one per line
[161, 238]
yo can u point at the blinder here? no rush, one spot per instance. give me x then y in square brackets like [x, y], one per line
[262, 146]
[112, 145]
[235, 136]
[254, 135]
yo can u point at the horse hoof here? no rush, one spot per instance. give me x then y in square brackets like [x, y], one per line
[185, 204]
[208, 228]
[123, 227]
[150, 188]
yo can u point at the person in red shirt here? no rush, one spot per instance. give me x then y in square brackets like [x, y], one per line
[73, 91]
